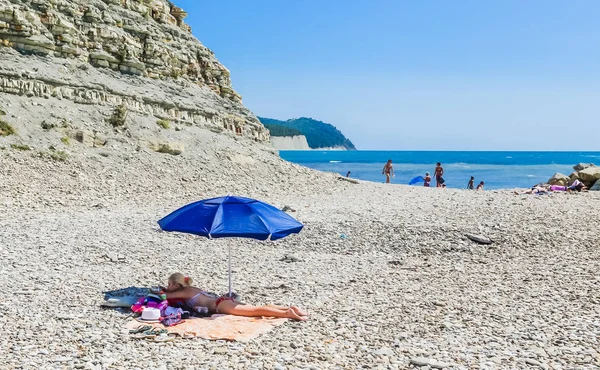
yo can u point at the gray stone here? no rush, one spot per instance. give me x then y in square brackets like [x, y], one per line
[221, 350]
[384, 351]
[582, 166]
[434, 364]
[559, 179]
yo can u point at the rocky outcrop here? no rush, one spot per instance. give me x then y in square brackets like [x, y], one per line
[559, 179]
[290, 142]
[582, 166]
[139, 54]
[587, 173]
[590, 175]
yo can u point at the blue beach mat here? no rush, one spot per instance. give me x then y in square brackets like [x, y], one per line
[416, 180]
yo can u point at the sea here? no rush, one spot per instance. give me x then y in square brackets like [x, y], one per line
[499, 170]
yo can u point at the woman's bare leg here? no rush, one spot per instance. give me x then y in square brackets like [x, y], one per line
[233, 308]
[296, 309]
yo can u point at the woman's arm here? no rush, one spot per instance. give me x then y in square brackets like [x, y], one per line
[178, 294]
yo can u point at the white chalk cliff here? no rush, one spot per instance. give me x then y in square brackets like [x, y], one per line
[290, 142]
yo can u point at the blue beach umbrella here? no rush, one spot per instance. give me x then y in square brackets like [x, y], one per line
[231, 217]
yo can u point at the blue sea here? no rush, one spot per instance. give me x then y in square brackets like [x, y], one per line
[499, 170]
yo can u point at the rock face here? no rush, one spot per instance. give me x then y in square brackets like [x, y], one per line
[135, 53]
[290, 142]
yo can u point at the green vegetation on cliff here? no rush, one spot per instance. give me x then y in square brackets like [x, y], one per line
[278, 130]
[318, 134]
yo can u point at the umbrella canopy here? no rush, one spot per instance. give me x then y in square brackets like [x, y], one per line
[233, 217]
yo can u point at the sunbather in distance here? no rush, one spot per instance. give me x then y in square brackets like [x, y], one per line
[180, 289]
[534, 190]
[577, 186]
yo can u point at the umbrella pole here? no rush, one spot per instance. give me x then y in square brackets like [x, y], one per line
[229, 269]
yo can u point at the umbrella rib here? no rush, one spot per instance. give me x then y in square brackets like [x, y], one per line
[264, 223]
[212, 226]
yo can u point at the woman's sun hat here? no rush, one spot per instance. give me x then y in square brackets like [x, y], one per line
[150, 314]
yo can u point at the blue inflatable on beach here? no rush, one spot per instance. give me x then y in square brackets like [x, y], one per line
[416, 180]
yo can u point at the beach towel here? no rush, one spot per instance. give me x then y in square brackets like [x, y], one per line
[416, 180]
[227, 327]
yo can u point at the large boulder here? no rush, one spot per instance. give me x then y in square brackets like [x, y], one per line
[572, 177]
[582, 166]
[590, 175]
[170, 147]
[559, 179]
[596, 186]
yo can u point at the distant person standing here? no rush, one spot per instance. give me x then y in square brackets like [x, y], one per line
[348, 174]
[471, 183]
[439, 172]
[427, 180]
[388, 171]
[480, 186]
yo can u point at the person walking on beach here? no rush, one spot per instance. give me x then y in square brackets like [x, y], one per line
[471, 183]
[427, 180]
[388, 170]
[480, 186]
[439, 172]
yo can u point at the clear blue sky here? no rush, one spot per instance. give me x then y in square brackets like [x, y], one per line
[418, 74]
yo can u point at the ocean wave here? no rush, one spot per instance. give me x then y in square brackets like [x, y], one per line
[460, 165]
[335, 161]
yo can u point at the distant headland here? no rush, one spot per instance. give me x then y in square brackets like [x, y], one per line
[305, 133]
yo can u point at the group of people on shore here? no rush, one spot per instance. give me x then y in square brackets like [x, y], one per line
[388, 171]
[547, 188]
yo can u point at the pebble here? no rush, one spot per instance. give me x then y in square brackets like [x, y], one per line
[434, 364]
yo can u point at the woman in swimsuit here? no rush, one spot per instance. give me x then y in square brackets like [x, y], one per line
[388, 170]
[427, 180]
[180, 289]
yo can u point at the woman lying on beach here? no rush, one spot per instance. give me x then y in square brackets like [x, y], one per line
[534, 190]
[180, 289]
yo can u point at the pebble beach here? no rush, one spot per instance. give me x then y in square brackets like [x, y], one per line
[386, 271]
